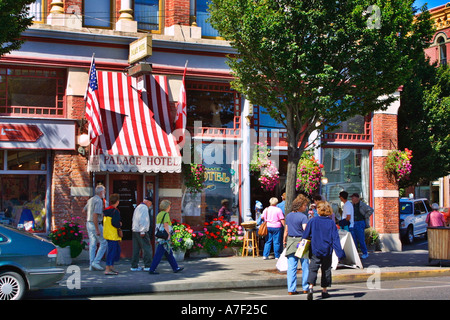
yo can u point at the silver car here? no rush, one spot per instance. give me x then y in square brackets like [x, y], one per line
[27, 262]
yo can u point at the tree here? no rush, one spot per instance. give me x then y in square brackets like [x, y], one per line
[315, 63]
[14, 20]
[423, 122]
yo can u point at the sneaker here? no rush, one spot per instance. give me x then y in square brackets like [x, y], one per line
[265, 258]
[146, 269]
[365, 256]
[97, 267]
[153, 272]
[137, 269]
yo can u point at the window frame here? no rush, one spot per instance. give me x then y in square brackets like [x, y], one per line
[35, 111]
[160, 17]
[111, 17]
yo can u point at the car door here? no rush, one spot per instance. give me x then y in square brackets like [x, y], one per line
[420, 215]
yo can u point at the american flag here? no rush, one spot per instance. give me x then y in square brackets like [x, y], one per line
[92, 105]
[180, 120]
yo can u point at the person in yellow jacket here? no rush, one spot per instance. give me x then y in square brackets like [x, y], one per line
[111, 228]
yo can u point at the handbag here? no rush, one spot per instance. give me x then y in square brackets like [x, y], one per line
[262, 231]
[162, 233]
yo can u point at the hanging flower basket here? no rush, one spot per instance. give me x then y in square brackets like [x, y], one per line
[309, 173]
[398, 164]
[262, 166]
[194, 177]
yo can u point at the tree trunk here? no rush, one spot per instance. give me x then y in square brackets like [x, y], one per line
[294, 154]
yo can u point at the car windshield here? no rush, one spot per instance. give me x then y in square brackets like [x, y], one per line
[406, 207]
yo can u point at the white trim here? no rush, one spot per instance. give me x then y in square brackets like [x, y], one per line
[386, 193]
[170, 192]
[380, 152]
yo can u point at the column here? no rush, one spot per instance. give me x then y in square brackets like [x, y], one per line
[385, 192]
[56, 16]
[126, 21]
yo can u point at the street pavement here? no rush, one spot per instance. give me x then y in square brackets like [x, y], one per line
[230, 273]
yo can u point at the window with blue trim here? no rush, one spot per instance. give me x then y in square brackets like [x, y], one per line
[97, 14]
[202, 15]
[146, 13]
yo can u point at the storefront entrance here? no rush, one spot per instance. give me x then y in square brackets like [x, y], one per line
[128, 188]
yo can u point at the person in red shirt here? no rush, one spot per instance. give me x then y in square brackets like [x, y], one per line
[435, 218]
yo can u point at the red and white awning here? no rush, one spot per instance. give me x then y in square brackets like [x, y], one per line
[137, 133]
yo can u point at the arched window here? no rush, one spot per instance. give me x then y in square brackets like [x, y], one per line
[442, 51]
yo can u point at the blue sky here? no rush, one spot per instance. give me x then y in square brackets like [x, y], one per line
[431, 3]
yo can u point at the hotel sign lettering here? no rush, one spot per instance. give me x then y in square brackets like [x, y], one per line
[140, 49]
[124, 163]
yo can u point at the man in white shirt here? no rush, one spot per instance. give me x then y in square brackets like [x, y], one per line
[347, 211]
[140, 236]
[94, 225]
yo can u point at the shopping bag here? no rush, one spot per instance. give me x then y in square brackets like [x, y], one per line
[303, 249]
[282, 263]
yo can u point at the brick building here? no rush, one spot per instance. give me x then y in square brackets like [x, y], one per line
[42, 88]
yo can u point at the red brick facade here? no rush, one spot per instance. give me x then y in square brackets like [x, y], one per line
[385, 138]
[176, 12]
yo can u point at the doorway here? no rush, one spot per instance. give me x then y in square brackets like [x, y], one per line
[129, 188]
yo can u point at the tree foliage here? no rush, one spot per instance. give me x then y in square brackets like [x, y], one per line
[14, 20]
[316, 63]
[424, 120]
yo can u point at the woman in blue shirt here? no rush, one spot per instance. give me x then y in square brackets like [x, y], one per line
[293, 232]
[324, 239]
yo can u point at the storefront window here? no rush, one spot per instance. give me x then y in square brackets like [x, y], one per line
[23, 201]
[346, 170]
[26, 160]
[23, 190]
[222, 183]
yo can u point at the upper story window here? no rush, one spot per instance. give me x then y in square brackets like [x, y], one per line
[355, 129]
[215, 105]
[201, 12]
[37, 11]
[32, 92]
[147, 14]
[98, 14]
[442, 51]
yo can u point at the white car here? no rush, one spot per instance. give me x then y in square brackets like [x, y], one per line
[413, 213]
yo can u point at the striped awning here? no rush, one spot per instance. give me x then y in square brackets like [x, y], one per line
[137, 133]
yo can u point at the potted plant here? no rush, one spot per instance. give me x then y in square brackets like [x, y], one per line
[69, 239]
[372, 239]
[398, 164]
[309, 173]
[182, 239]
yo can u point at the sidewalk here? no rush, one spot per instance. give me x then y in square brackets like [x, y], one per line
[233, 272]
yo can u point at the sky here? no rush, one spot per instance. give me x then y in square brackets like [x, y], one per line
[431, 3]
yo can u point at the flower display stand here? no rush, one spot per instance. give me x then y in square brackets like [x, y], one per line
[63, 257]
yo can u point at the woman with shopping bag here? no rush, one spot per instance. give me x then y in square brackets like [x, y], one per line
[296, 222]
